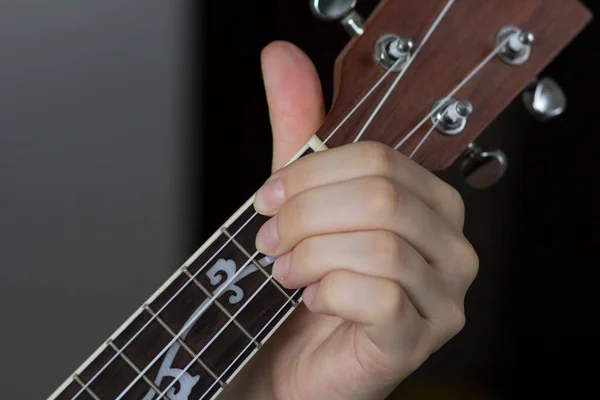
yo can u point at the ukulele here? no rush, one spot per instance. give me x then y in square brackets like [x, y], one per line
[424, 77]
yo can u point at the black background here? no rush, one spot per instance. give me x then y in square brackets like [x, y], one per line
[531, 314]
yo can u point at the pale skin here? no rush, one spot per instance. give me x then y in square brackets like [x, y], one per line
[374, 238]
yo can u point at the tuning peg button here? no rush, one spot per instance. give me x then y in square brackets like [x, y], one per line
[544, 99]
[517, 49]
[482, 167]
[342, 10]
[451, 118]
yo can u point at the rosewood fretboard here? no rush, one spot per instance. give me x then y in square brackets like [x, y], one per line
[196, 332]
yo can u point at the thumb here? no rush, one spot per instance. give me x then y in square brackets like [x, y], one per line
[295, 99]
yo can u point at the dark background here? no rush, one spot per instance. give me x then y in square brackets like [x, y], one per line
[129, 131]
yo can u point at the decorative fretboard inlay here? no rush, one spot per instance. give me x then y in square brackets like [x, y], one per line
[222, 332]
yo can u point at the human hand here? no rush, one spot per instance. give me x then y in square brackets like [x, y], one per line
[376, 240]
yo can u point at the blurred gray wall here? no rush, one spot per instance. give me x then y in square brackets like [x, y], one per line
[93, 176]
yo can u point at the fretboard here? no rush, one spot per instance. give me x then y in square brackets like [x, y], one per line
[194, 334]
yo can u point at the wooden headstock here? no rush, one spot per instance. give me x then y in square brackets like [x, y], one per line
[465, 35]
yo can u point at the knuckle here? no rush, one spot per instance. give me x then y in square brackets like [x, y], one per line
[450, 200]
[380, 158]
[466, 258]
[456, 320]
[327, 291]
[392, 303]
[388, 246]
[382, 198]
[455, 199]
[471, 263]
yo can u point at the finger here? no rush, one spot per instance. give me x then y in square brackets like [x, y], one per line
[379, 305]
[354, 161]
[379, 254]
[360, 205]
[294, 96]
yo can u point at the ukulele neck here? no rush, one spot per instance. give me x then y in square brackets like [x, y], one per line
[197, 331]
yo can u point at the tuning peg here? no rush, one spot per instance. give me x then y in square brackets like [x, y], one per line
[544, 99]
[518, 47]
[451, 118]
[483, 167]
[342, 10]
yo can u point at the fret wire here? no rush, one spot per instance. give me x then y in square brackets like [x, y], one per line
[257, 264]
[88, 390]
[134, 367]
[167, 303]
[184, 345]
[248, 345]
[184, 370]
[221, 306]
[190, 322]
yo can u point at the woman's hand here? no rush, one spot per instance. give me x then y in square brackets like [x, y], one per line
[375, 239]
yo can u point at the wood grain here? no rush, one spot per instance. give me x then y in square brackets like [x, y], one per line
[463, 39]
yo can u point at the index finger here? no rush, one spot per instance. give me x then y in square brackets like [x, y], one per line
[356, 161]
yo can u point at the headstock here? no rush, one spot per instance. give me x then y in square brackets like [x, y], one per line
[428, 77]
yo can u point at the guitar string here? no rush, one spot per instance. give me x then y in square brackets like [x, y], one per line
[276, 314]
[389, 71]
[190, 323]
[247, 346]
[433, 126]
[215, 336]
[226, 284]
[423, 140]
[195, 255]
[155, 315]
[475, 70]
[401, 74]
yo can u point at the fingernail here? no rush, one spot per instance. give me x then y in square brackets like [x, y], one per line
[270, 197]
[267, 238]
[310, 293]
[281, 267]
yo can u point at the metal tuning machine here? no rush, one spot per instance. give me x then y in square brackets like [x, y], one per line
[518, 48]
[342, 10]
[544, 99]
[482, 167]
[451, 117]
[393, 51]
